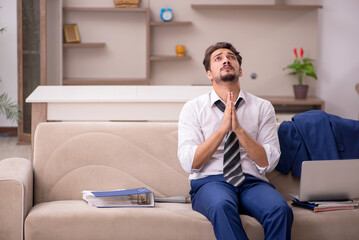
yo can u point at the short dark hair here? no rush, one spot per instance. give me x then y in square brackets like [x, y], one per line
[211, 49]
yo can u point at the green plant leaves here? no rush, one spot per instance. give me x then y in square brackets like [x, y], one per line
[8, 108]
[300, 67]
[308, 69]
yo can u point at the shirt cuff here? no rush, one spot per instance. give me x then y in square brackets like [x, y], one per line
[261, 170]
[186, 157]
[272, 157]
[193, 152]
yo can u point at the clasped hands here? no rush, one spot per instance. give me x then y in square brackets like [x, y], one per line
[230, 120]
[254, 150]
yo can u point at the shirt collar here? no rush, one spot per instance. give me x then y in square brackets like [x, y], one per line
[214, 97]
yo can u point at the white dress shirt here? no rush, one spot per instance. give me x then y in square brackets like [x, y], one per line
[200, 118]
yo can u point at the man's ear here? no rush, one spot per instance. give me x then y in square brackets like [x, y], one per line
[240, 72]
[209, 75]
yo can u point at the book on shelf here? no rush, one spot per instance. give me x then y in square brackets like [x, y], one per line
[322, 206]
[136, 197]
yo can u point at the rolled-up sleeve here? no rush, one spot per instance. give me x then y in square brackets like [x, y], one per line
[268, 137]
[189, 137]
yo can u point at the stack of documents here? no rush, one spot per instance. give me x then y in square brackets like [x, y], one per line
[137, 197]
[322, 206]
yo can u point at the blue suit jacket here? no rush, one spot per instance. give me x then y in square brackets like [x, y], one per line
[316, 135]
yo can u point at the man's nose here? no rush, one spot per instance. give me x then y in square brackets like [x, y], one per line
[226, 62]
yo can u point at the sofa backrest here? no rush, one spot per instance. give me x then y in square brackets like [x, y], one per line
[70, 157]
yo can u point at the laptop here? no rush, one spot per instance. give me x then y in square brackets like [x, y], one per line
[329, 180]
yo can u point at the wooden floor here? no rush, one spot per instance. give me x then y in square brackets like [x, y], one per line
[10, 148]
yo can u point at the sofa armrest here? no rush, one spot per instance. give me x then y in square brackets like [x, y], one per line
[16, 196]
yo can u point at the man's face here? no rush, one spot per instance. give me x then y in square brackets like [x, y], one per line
[224, 66]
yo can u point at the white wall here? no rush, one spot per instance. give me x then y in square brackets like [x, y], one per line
[8, 54]
[338, 58]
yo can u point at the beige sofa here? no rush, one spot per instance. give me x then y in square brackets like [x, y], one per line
[42, 200]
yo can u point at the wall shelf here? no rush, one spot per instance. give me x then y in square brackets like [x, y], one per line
[169, 58]
[83, 45]
[258, 6]
[95, 9]
[103, 81]
[155, 58]
[149, 24]
[292, 105]
[165, 24]
[114, 80]
[68, 80]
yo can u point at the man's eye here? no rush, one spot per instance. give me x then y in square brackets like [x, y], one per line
[232, 57]
[217, 59]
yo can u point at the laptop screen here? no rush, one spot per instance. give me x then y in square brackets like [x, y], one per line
[329, 180]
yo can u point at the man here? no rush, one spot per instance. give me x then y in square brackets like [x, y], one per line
[228, 175]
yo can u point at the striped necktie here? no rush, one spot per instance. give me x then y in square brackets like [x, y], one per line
[232, 169]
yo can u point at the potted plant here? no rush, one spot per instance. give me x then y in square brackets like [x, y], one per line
[300, 68]
[7, 107]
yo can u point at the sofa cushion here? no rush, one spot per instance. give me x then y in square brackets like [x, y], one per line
[75, 219]
[284, 184]
[331, 225]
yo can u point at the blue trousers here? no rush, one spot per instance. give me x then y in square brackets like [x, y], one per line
[222, 203]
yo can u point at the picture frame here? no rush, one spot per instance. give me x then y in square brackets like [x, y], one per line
[71, 33]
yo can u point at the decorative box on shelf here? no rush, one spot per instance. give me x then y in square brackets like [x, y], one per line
[126, 3]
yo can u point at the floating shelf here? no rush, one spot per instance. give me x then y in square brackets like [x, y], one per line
[103, 81]
[83, 45]
[163, 24]
[109, 81]
[291, 100]
[95, 9]
[291, 105]
[256, 6]
[169, 58]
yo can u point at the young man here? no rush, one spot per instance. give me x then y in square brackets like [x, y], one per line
[227, 142]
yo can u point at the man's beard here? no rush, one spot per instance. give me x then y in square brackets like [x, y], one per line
[228, 77]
